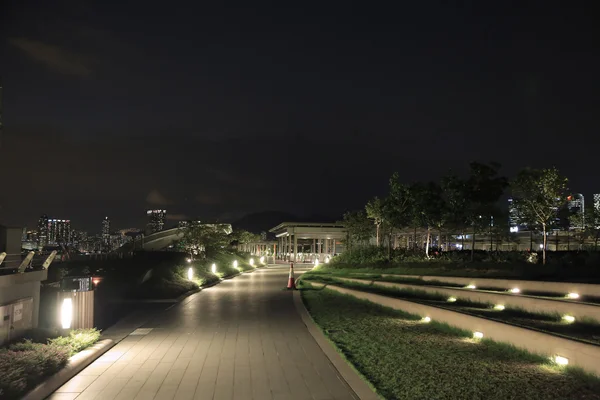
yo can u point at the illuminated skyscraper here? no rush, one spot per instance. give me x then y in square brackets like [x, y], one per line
[576, 206]
[597, 201]
[43, 230]
[106, 231]
[59, 231]
[156, 220]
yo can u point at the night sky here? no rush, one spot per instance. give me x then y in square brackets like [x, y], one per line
[215, 112]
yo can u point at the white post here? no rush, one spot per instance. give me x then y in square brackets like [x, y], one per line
[295, 248]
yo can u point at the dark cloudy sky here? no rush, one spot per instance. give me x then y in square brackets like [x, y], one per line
[216, 111]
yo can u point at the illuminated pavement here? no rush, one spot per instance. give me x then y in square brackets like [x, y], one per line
[241, 339]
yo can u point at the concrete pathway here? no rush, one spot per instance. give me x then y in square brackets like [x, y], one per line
[241, 339]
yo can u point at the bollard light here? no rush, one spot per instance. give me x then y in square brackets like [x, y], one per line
[515, 290]
[470, 287]
[499, 307]
[561, 360]
[189, 260]
[426, 319]
[190, 273]
[568, 318]
[213, 268]
[262, 260]
[252, 262]
[327, 260]
[451, 299]
[66, 313]
[316, 262]
[235, 264]
[477, 335]
[573, 295]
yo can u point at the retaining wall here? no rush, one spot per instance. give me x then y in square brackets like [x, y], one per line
[583, 289]
[533, 304]
[585, 356]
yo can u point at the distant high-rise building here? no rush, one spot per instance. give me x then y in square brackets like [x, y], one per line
[106, 231]
[597, 201]
[156, 220]
[576, 206]
[59, 231]
[514, 221]
[43, 230]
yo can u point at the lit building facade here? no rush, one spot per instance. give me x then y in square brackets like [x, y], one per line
[59, 231]
[514, 221]
[576, 206]
[106, 231]
[156, 221]
[43, 231]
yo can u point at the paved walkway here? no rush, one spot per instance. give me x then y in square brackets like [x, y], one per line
[241, 339]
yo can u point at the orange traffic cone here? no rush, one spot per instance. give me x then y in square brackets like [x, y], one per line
[291, 281]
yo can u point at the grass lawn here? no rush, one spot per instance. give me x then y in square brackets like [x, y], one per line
[587, 330]
[405, 358]
[25, 364]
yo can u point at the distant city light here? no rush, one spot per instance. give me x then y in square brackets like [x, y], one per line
[541, 246]
[514, 229]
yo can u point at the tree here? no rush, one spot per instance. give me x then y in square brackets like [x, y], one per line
[484, 188]
[428, 209]
[454, 195]
[374, 209]
[537, 196]
[358, 227]
[396, 207]
[204, 239]
[592, 224]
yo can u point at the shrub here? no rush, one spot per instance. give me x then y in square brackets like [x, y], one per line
[77, 340]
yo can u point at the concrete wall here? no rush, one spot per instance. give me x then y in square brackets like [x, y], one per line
[532, 304]
[584, 289]
[17, 287]
[585, 356]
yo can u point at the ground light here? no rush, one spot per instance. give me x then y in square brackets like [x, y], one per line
[561, 360]
[262, 260]
[190, 273]
[425, 319]
[471, 287]
[327, 260]
[499, 307]
[66, 313]
[317, 262]
[252, 262]
[568, 318]
[189, 260]
[515, 290]
[451, 299]
[235, 264]
[477, 335]
[213, 268]
[573, 295]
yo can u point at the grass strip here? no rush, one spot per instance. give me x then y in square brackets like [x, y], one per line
[405, 358]
[584, 329]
